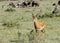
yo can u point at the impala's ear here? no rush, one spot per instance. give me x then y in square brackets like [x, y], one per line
[36, 15]
[33, 15]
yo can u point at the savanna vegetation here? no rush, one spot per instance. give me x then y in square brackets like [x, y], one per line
[16, 24]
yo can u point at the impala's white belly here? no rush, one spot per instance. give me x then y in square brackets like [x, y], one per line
[41, 28]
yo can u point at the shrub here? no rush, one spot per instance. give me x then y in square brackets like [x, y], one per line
[48, 15]
[10, 10]
[51, 15]
[57, 15]
[9, 24]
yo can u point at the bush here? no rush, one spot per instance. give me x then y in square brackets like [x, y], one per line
[10, 10]
[48, 15]
[9, 24]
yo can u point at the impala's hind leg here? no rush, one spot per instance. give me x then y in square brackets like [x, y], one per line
[44, 35]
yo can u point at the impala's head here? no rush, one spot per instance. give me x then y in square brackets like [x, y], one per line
[34, 17]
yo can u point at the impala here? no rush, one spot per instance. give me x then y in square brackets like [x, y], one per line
[39, 26]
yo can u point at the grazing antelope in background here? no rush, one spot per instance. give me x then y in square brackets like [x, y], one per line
[34, 4]
[39, 26]
[12, 4]
[55, 10]
[59, 2]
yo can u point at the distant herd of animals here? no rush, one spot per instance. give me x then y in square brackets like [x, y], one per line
[27, 4]
[24, 4]
[56, 7]
[31, 4]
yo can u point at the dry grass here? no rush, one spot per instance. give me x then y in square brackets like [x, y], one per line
[23, 18]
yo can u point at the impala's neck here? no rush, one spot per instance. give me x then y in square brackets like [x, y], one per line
[35, 20]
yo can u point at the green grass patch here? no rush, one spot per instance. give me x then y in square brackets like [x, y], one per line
[10, 10]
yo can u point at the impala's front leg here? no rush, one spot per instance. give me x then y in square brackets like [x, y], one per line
[44, 34]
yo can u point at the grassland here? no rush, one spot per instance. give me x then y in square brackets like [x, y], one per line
[23, 17]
